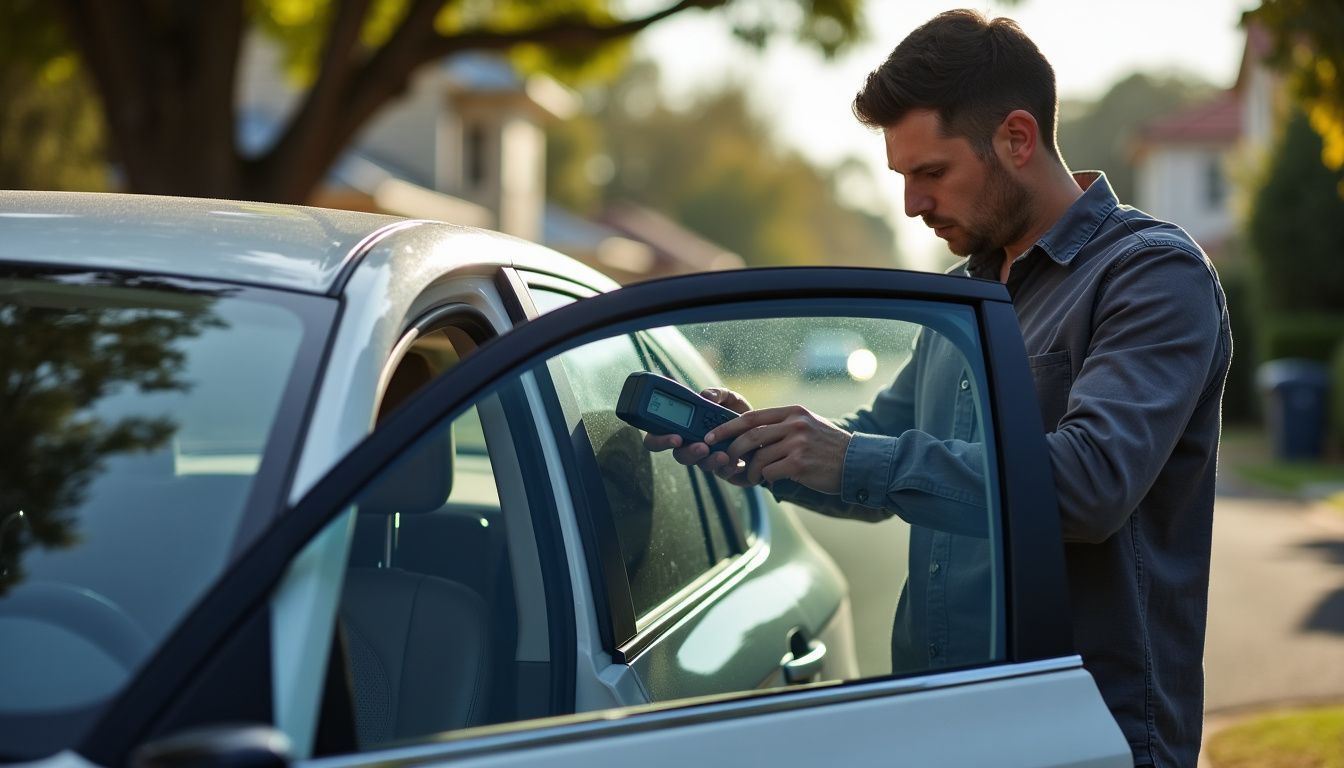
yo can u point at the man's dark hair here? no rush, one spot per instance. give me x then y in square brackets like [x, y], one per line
[969, 70]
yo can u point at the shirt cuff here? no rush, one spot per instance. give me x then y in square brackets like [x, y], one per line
[863, 480]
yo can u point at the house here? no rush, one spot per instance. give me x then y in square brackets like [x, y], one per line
[1183, 163]
[467, 144]
[1187, 164]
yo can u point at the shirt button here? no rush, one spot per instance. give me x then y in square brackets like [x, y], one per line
[862, 495]
[965, 385]
[933, 568]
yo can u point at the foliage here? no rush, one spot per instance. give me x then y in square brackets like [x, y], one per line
[51, 136]
[1240, 398]
[1296, 227]
[1337, 395]
[1305, 335]
[1308, 44]
[1312, 737]
[715, 167]
[1101, 135]
[165, 72]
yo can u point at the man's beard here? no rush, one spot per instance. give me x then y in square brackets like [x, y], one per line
[1000, 214]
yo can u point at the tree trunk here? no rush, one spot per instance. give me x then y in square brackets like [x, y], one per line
[165, 78]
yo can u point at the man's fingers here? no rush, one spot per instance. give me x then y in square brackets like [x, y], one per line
[661, 442]
[691, 454]
[729, 430]
[761, 459]
[727, 398]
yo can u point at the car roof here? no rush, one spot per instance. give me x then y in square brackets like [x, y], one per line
[283, 246]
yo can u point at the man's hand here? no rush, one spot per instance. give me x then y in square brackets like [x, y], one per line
[696, 453]
[789, 442]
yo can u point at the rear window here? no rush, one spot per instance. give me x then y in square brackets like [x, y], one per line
[139, 416]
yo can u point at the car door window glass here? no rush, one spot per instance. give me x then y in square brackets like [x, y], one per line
[928, 545]
[816, 602]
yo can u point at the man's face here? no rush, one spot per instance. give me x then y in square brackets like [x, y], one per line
[974, 204]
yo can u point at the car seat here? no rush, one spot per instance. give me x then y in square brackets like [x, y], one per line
[417, 644]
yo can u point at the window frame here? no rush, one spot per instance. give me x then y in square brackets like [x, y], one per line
[1039, 631]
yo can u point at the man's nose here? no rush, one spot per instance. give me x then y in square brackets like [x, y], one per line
[917, 203]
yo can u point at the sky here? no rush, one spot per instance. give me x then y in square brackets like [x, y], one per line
[1092, 44]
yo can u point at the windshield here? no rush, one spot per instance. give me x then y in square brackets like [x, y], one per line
[138, 417]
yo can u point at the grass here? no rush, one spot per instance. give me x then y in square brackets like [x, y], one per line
[1247, 453]
[1310, 738]
[1292, 477]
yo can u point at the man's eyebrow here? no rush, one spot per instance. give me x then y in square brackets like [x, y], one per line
[918, 169]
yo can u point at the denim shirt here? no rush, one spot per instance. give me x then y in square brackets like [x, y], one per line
[1127, 335]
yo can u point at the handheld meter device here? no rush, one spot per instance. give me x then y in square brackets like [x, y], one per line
[661, 406]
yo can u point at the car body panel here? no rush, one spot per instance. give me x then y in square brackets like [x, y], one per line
[290, 247]
[405, 274]
[1029, 718]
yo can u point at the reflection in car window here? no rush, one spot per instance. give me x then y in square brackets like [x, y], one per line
[657, 513]
[137, 414]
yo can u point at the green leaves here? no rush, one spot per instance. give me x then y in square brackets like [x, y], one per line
[1308, 45]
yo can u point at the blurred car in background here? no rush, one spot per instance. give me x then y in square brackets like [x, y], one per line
[834, 353]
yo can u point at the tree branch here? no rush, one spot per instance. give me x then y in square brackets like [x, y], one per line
[324, 122]
[337, 55]
[564, 32]
[330, 118]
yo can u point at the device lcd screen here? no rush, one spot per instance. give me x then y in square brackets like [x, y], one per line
[674, 411]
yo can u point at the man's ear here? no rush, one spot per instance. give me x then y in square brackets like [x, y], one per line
[1017, 138]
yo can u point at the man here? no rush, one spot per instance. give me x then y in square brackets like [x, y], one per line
[1127, 333]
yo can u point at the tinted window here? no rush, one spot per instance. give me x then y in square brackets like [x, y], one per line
[659, 516]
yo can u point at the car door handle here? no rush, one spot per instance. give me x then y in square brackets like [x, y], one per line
[804, 668]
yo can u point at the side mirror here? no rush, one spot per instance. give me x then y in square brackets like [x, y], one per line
[237, 746]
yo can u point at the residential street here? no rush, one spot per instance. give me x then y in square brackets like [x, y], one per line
[1276, 604]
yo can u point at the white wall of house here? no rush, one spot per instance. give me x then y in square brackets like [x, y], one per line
[1260, 90]
[487, 147]
[1188, 185]
[402, 134]
[522, 177]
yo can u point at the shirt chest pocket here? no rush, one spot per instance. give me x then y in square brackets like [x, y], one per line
[1053, 375]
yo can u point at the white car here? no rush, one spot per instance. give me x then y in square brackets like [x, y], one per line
[287, 485]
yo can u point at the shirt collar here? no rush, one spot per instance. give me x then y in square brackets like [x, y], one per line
[1063, 240]
[1069, 234]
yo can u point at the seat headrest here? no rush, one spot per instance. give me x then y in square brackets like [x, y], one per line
[422, 479]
